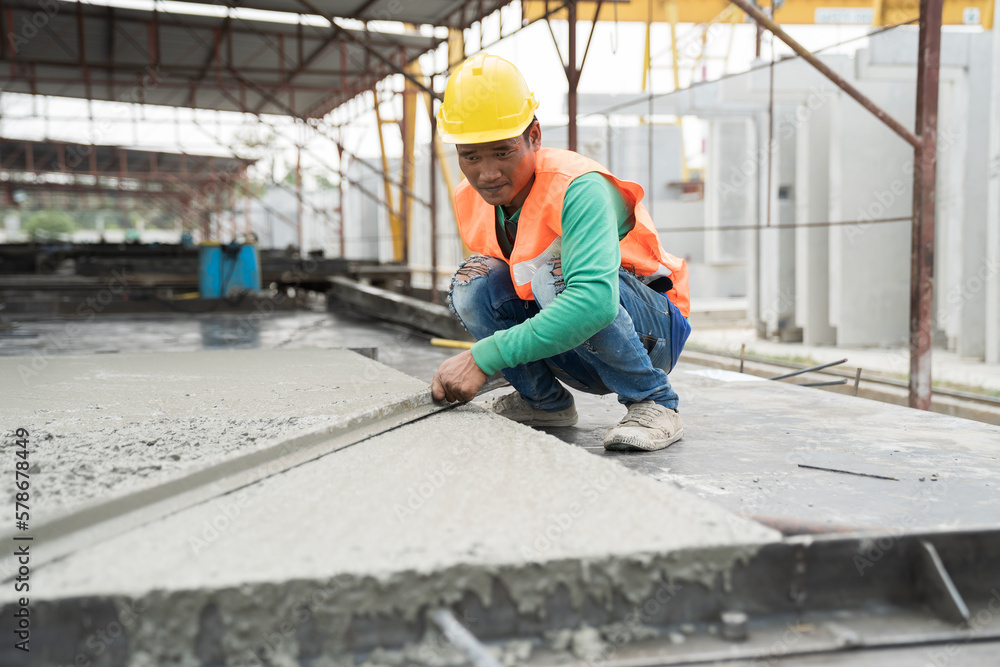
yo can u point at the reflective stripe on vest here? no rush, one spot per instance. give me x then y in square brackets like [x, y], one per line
[540, 226]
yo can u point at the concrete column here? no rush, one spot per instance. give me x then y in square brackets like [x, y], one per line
[812, 204]
[871, 178]
[993, 204]
[777, 268]
[951, 228]
[731, 176]
[969, 294]
[762, 275]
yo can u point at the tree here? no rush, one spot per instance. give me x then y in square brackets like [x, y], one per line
[48, 223]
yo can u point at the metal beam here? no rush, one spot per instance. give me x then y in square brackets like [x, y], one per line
[924, 184]
[924, 179]
[337, 30]
[754, 12]
[432, 178]
[572, 77]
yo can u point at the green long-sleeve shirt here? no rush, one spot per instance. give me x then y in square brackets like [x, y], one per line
[595, 218]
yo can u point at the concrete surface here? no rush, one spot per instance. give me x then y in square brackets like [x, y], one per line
[743, 445]
[102, 424]
[461, 503]
[727, 445]
[744, 441]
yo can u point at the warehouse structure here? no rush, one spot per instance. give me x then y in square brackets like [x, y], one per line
[303, 501]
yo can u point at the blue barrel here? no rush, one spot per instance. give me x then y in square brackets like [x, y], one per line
[223, 270]
[210, 270]
[246, 272]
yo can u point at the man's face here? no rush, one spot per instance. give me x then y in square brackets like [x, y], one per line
[502, 171]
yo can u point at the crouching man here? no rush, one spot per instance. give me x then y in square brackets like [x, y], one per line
[570, 286]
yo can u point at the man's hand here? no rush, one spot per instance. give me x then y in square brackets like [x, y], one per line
[457, 379]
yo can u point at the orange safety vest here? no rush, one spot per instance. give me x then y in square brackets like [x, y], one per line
[539, 231]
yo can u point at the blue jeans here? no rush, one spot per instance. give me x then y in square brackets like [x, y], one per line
[630, 357]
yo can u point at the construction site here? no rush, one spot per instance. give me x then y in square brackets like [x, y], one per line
[234, 258]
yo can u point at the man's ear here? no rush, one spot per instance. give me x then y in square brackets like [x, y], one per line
[535, 136]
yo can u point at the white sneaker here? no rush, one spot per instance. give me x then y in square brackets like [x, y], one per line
[513, 406]
[647, 427]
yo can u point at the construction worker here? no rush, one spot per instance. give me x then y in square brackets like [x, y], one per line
[569, 284]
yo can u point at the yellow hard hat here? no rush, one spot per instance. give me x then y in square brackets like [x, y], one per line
[486, 100]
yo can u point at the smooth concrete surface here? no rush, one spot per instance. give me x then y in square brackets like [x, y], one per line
[450, 506]
[101, 424]
[744, 442]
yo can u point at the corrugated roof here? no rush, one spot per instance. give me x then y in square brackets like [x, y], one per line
[230, 64]
[64, 157]
[454, 13]
[71, 175]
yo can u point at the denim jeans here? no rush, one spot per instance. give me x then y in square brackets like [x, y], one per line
[630, 357]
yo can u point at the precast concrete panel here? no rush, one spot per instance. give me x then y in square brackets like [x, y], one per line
[777, 254]
[976, 169]
[993, 209]
[950, 195]
[730, 189]
[812, 268]
[871, 179]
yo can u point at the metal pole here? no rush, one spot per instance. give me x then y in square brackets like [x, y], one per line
[435, 298]
[298, 196]
[841, 83]
[572, 76]
[770, 135]
[340, 191]
[458, 635]
[924, 183]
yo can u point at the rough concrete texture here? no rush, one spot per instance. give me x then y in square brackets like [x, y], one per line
[461, 503]
[104, 424]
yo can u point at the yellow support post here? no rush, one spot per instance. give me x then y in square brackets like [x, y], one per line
[407, 131]
[395, 224]
[878, 12]
[456, 55]
[734, 20]
[445, 166]
[646, 54]
[672, 13]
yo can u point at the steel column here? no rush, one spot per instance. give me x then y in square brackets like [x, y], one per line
[924, 184]
[572, 77]
[340, 191]
[432, 177]
[298, 194]
[924, 179]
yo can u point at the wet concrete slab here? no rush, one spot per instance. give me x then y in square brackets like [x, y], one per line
[742, 445]
[102, 424]
[743, 450]
[349, 551]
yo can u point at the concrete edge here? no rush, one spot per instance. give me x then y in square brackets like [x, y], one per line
[383, 304]
[79, 527]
